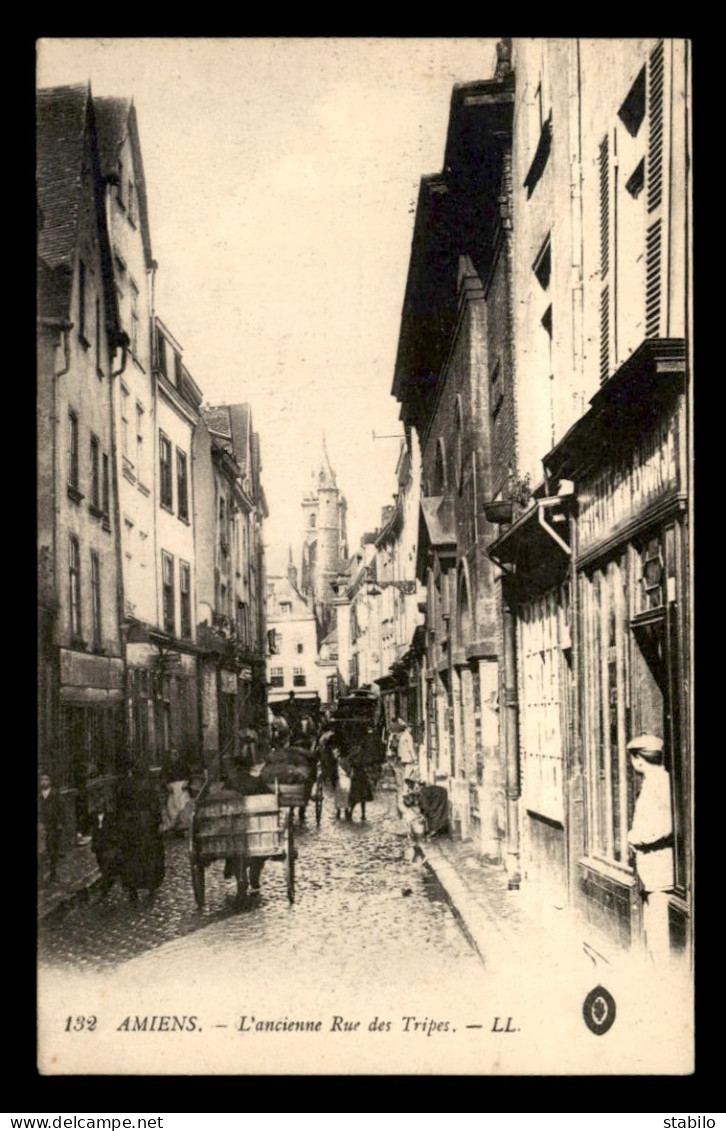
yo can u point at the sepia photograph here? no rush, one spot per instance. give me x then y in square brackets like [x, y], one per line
[364, 550]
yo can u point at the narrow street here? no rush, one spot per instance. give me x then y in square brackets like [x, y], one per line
[352, 881]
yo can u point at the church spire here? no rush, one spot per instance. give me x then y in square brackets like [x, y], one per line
[326, 478]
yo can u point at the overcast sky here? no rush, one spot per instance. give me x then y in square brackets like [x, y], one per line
[281, 177]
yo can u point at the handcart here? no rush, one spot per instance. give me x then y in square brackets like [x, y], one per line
[306, 767]
[227, 825]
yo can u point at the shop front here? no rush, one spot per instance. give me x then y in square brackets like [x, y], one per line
[91, 734]
[535, 558]
[627, 458]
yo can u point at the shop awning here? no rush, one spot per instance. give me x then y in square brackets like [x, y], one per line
[536, 547]
[436, 531]
[624, 409]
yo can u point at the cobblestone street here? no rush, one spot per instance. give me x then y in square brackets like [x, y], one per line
[352, 882]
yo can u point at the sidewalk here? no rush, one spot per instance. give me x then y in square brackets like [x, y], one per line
[503, 925]
[77, 872]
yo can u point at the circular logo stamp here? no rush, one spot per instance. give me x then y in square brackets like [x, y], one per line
[598, 1010]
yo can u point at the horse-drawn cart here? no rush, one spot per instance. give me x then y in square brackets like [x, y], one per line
[239, 829]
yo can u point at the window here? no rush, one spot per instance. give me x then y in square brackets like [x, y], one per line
[96, 599]
[98, 338]
[632, 111]
[286, 608]
[608, 710]
[95, 481]
[277, 677]
[139, 440]
[105, 487]
[299, 647]
[543, 634]
[440, 469]
[134, 329]
[165, 487]
[185, 595]
[542, 265]
[312, 521]
[82, 301]
[459, 447]
[496, 386]
[161, 352]
[177, 370]
[131, 203]
[124, 422]
[182, 485]
[299, 678]
[167, 582]
[73, 450]
[74, 575]
[243, 622]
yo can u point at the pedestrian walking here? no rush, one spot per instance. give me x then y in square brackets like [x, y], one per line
[651, 839]
[50, 827]
[328, 762]
[362, 776]
[342, 777]
[106, 845]
[142, 843]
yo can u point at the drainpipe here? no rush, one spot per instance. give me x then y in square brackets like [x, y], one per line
[123, 341]
[65, 329]
[511, 745]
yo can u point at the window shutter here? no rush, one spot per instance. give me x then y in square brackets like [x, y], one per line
[652, 280]
[655, 137]
[604, 207]
[604, 334]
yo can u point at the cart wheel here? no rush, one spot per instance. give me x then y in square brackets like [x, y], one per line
[198, 880]
[319, 802]
[290, 862]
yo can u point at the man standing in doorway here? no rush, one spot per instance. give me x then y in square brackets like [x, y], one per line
[651, 838]
[407, 767]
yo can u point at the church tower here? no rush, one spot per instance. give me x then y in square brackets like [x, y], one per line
[325, 541]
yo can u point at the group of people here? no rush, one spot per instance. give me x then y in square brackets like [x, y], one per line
[126, 837]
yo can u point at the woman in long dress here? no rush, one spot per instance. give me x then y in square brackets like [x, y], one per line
[141, 840]
[342, 778]
[362, 777]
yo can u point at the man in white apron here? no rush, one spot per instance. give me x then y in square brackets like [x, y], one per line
[651, 838]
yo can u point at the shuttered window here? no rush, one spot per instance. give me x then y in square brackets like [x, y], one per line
[652, 280]
[604, 208]
[604, 334]
[655, 134]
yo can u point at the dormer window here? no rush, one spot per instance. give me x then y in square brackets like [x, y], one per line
[632, 111]
[542, 265]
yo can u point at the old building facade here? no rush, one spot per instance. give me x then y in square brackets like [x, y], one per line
[453, 373]
[80, 355]
[230, 508]
[597, 572]
[544, 362]
[292, 663]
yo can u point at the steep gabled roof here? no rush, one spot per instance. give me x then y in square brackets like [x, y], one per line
[61, 120]
[65, 122]
[116, 120]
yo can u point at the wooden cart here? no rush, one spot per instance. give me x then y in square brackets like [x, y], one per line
[229, 826]
[298, 795]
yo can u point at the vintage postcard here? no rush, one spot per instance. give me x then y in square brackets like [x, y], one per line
[364, 556]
